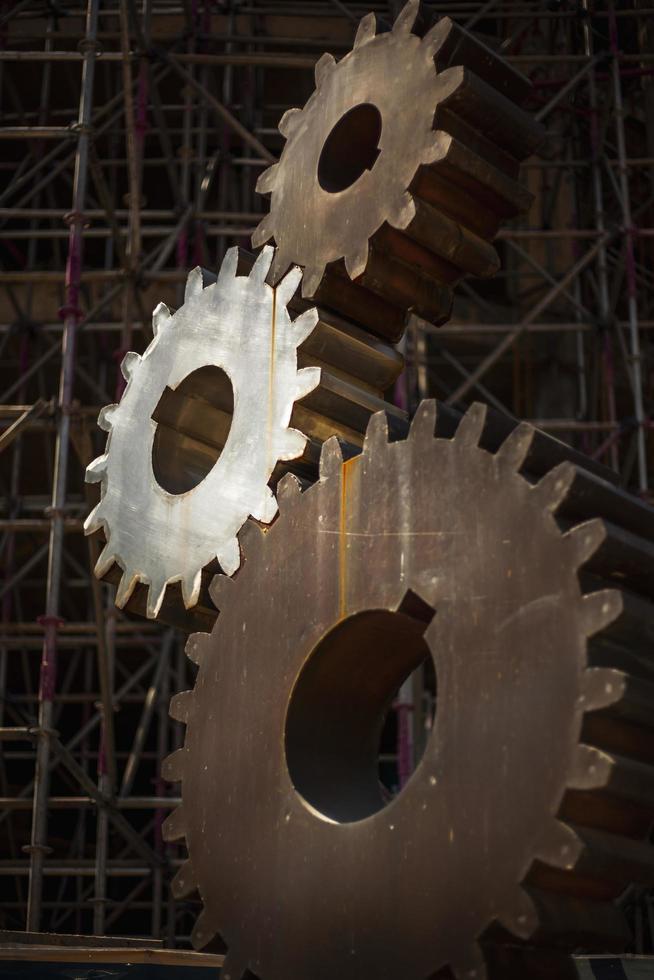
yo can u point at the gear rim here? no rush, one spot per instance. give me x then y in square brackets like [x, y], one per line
[557, 845]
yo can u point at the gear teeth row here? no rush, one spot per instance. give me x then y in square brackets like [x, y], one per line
[442, 201]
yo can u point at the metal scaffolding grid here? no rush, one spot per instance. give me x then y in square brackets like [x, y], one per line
[131, 136]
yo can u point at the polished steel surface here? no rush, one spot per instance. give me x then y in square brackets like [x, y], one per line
[241, 326]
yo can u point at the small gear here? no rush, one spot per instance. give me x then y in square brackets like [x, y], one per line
[242, 326]
[399, 166]
[531, 805]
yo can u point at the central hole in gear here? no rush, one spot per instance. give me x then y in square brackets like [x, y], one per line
[348, 708]
[351, 148]
[193, 423]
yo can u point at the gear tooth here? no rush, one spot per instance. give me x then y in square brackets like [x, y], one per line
[172, 767]
[288, 490]
[366, 30]
[376, 438]
[311, 281]
[94, 521]
[324, 67]
[471, 426]
[304, 325]
[406, 17]
[174, 826]
[280, 264]
[182, 703]
[292, 445]
[105, 418]
[438, 147]
[202, 934]
[130, 361]
[105, 561]
[308, 379]
[261, 267]
[560, 847]
[356, 263]
[228, 267]
[289, 122]
[590, 768]
[183, 883]
[250, 539]
[229, 556]
[266, 510]
[585, 539]
[522, 919]
[220, 590]
[600, 609]
[472, 966]
[97, 470]
[125, 588]
[601, 687]
[262, 233]
[197, 647]
[191, 585]
[160, 317]
[554, 486]
[423, 424]
[403, 213]
[513, 451]
[234, 966]
[267, 179]
[331, 458]
[194, 284]
[435, 37]
[156, 593]
[286, 289]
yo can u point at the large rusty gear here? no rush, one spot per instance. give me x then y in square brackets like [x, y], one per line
[406, 172]
[530, 808]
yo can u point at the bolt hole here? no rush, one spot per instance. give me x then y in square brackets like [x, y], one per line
[339, 705]
[351, 148]
[193, 423]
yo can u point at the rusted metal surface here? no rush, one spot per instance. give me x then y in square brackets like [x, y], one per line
[529, 812]
[406, 158]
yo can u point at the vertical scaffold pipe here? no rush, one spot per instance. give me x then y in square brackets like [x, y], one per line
[71, 316]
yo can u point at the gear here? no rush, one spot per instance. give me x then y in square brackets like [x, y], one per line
[526, 809]
[407, 207]
[193, 451]
[159, 537]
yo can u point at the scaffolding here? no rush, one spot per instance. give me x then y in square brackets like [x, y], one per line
[131, 136]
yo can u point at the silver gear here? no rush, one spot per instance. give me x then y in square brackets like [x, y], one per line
[241, 325]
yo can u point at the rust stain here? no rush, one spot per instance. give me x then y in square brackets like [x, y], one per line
[342, 542]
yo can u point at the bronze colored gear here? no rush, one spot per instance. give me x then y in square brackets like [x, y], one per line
[530, 807]
[397, 175]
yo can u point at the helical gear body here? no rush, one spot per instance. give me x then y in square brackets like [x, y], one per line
[406, 157]
[529, 811]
